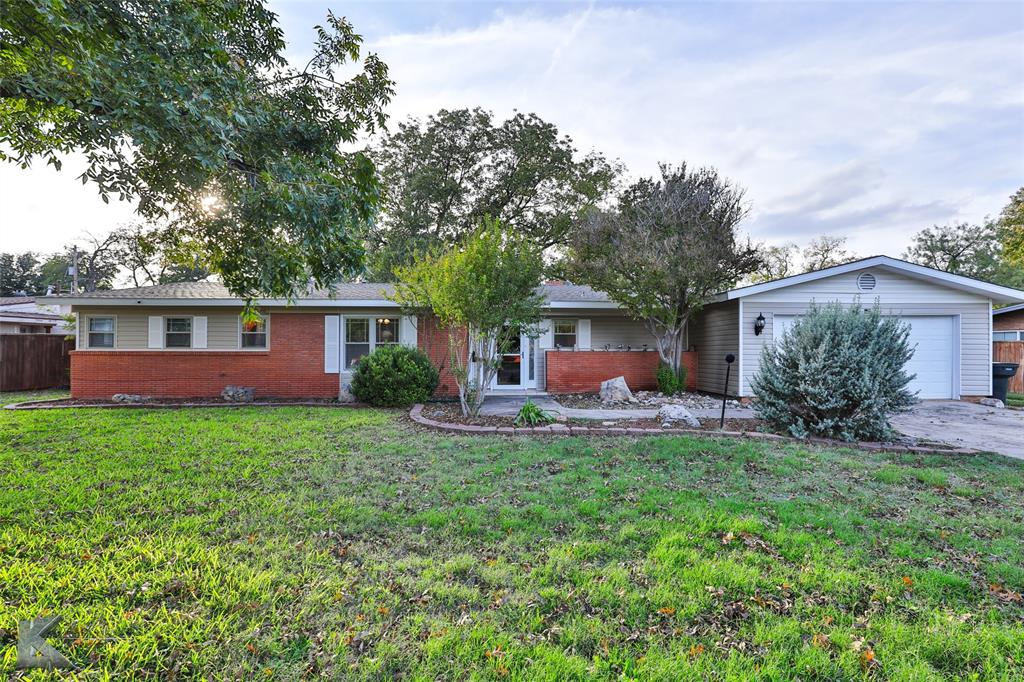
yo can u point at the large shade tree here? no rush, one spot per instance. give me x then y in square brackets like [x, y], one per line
[484, 292]
[970, 250]
[443, 175]
[190, 110]
[669, 246]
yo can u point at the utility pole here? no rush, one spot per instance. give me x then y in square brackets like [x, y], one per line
[74, 269]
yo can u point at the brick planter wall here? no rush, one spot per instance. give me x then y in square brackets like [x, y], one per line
[293, 367]
[583, 371]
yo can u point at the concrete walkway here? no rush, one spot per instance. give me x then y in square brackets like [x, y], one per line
[508, 406]
[965, 425]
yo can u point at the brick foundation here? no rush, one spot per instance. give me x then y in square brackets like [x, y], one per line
[293, 367]
[583, 371]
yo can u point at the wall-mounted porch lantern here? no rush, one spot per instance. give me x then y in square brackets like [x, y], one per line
[759, 325]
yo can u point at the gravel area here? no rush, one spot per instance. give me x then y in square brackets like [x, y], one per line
[646, 400]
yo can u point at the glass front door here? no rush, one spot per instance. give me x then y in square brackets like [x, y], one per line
[516, 364]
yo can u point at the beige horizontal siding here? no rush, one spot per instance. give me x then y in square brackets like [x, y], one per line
[897, 295]
[714, 333]
[132, 325]
[619, 331]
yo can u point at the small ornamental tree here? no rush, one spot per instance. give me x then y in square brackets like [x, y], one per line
[669, 246]
[484, 293]
[837, 373]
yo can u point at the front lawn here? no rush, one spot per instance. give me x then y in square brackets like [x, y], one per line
[305, 543]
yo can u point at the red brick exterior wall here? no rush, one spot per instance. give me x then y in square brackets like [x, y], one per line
[432, 339]
[583, 371]
[1008, 321]
[293, 367]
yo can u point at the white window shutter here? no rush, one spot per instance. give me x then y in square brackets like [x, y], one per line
[332, 344]
[156, 331]
[583, 334]
[79, 320]
[407, 331]
[199, 332]
[546, 338]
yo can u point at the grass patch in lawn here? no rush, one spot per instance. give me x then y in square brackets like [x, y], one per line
[15, 397]
[1015, 399]
[303, 543]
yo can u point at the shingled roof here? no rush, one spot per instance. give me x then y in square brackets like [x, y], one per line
[346, 291]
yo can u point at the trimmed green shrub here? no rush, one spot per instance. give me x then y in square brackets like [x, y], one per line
[530, 414]
[838, 373]
[669, 382]
[394, 376]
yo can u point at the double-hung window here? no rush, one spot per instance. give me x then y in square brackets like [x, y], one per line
[101, 332]
[254, 333]
[1008, 336]
[564, 333]
[177, 332]
[387, 331]
[357, 339]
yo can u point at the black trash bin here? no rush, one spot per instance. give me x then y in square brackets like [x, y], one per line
[1001, 374]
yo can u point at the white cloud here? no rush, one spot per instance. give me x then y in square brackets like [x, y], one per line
[872, 124]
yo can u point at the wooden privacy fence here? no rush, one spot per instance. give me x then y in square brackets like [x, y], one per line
[1011, 351]
[30, 362]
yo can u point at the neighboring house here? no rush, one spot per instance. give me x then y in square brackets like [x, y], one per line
[24, 315]
[1008, 323]
[189, 340]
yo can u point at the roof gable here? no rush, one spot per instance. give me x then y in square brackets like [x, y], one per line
[999, 294]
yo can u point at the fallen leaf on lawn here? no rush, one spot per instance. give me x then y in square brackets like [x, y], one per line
[383, 610]
[908, 582]
[695, 650]
[666, 611]
[496, 652]
[821, 641]
[251, 648]
[868, 660]
[728, 537]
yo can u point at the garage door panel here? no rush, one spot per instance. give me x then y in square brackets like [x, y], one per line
[934, 361]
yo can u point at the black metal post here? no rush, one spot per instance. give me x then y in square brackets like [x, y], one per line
[729, 359]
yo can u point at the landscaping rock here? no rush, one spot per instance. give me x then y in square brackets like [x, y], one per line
[616, 391]
[992, 402]
[677, 413]
[238, 394]
[129, 398]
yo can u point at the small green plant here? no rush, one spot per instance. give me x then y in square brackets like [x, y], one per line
[530, 414]
[394, 376]
[669, 382]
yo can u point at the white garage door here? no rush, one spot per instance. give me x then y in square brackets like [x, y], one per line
[934, 358]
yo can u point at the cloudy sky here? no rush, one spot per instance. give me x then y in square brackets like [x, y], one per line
[870, 120]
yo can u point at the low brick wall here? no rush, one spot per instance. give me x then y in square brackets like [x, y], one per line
[583, 371]
[293, 367]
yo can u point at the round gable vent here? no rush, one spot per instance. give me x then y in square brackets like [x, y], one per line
[866, 281]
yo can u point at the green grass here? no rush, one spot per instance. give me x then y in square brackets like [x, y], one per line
[1015, 399]
[14, 397]
[303, 543]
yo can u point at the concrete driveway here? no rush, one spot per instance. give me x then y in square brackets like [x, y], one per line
[965, 425]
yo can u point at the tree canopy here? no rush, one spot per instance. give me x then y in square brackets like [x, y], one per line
[1011, 230]
[190, 110]
[666, 249]
[443, 175]
[969, 250]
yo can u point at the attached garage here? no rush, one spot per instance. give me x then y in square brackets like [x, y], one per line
[949, 316]
[935, 340]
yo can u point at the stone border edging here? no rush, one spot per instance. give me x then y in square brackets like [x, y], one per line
[51, 405]
[416, 414]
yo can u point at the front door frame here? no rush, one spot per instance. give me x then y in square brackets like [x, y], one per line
[527, 353]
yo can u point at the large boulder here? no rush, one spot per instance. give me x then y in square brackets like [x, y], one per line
[238, 394]
[616, 391]
[677, 413]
